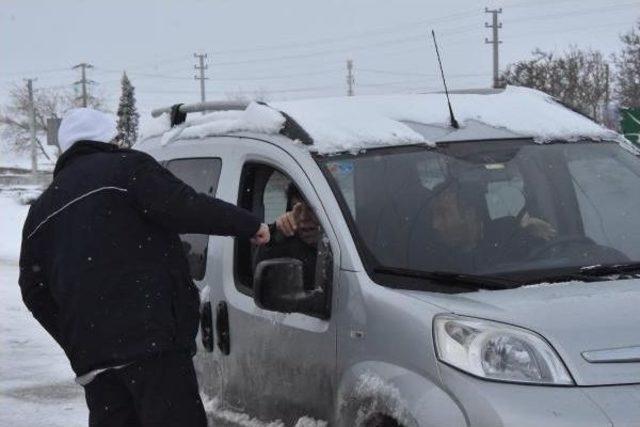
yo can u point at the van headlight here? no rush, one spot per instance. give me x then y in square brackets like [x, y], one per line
[497, 351]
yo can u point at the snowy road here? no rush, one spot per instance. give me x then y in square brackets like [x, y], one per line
[36, 383]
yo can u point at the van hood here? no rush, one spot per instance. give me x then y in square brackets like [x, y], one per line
[594, 327]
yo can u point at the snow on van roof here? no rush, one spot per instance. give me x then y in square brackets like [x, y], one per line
[360, 122]
[255, 118]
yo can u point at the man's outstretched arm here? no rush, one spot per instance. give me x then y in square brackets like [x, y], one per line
[166, 200]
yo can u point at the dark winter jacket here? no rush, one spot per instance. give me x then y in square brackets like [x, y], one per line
[102, 267]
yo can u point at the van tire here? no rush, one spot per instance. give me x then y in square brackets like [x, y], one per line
[381, 420]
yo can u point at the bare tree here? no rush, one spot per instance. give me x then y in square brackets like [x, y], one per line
[578, 78]
[628, 69]
[15, 116]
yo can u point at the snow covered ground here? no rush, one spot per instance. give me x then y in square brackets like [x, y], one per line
[11, 157]
[36, 382]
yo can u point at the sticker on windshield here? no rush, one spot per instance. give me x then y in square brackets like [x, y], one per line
[494, 166]
[341, 168]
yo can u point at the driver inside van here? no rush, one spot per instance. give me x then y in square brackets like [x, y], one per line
[295, 234]
[460, 239]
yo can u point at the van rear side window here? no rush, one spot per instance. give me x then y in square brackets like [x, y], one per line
[202, 175]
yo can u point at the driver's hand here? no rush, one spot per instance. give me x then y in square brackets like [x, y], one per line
[262, 237]
[288, 222]
[538, 227]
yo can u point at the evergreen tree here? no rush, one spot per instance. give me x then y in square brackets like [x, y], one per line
[628, 67]
[127, 114]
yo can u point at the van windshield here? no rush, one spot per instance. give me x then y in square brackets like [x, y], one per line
[492, 208]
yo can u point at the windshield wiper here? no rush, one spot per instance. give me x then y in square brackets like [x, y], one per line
[604, 270]
[592, 273]
[475, 281]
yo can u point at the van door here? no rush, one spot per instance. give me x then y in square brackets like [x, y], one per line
[203, 175]
[279, 366]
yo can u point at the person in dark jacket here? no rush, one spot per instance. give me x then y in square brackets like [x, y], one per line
[103, 270]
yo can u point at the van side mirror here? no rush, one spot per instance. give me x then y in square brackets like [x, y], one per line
[278, 285]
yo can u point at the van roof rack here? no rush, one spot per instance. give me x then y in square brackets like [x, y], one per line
[202, 106]
[178, 114]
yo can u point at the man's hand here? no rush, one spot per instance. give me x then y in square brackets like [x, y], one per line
[287, 223]
[262, 237]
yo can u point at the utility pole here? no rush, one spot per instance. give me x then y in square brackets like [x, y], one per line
[84, 82]
[606, 87]
[605, 113]
[32, 126]
[201, 67]
[495, 25]
[351, 81]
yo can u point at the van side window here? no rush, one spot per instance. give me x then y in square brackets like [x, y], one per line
[269, 194]
[202, 175]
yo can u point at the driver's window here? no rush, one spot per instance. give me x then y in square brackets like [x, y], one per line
[295, 229]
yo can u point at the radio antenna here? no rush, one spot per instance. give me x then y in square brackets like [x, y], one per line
[454, 122]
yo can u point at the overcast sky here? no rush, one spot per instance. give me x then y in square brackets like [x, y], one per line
[286, 48]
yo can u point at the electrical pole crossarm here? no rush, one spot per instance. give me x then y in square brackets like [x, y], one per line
[84, 81]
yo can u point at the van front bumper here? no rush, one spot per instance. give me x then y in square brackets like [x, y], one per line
[488, 403]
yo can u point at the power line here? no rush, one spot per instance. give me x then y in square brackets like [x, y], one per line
[155, 64]
[400, 73]
[538, 3]
[400, 40]
[46, 71]
[567, 30]
[366, 34]
[342, 39]
[605, 9]
[306, 88]
[246, 91]
[232, 79]
[449, 32]
[318, 53]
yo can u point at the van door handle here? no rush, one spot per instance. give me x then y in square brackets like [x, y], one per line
[222, 328]
[206, 326]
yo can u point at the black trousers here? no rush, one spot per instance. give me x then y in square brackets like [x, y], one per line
[158, 392]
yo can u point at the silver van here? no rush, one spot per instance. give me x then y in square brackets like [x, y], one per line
[485, 275]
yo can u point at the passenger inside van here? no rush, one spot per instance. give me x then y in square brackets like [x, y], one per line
[455, 235]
